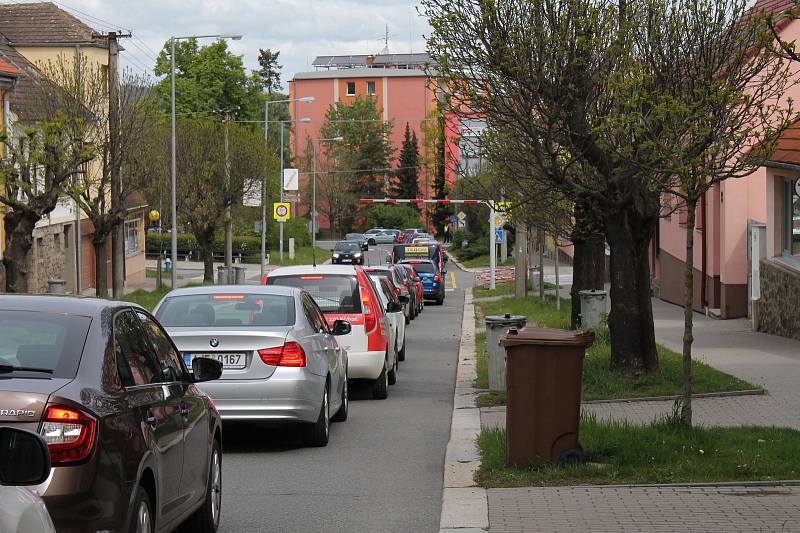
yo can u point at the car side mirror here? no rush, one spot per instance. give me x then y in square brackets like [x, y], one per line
[206, 369]
[24, 458]
[394, 307]
[341, 327]
[417, 279]
[403, 298]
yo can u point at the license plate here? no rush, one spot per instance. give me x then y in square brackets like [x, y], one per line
[230, 361]
[347, 260]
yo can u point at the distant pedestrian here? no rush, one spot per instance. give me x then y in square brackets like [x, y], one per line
[446, 231]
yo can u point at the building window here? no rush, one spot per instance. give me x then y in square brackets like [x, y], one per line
[371, 88]
[132, 246]
[351, 88]
[791, 218]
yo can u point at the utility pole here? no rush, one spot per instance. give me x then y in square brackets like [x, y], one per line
[521, 259]
[228, 202]
[78, 263]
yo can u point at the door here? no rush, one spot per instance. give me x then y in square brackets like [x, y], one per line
[335, 355]
[320, 340]
[192, 409]
[156, 408]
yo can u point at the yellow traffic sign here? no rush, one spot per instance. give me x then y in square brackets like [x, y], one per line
[281, 211]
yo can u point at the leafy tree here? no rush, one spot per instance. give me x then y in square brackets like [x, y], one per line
[391, 216]
[440, 188]
[270, 71]
[407, 173]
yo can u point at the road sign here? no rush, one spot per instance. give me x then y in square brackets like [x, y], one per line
[291, 196]
[281, 211]
[499, 219]
[453, 218]
[499, 236]
[291, 179]
[503, 207]
[461, 216]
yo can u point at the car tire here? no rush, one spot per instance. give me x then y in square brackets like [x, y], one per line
[206, 518]
[440, 300]
[380, 387]
[318, 433]
[143, 517]
[341, 414]
[408, 316]
[401, 355]
[391, 377]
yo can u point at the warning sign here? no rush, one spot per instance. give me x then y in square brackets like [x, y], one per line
[281, 211]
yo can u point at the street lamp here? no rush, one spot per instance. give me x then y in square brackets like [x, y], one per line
[314, 144]
[174, 274]
[304, 99]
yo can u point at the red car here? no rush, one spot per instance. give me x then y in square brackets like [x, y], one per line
[417, 284]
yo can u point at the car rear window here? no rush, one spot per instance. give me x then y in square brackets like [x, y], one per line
[227, 310]
[426, 268]
[42, 340]
[334, 293]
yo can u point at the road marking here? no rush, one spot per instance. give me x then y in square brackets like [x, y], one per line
[453, 279]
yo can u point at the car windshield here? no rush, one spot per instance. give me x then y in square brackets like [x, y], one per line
[344, 246]
[225, 310]
[334, 293]
[426, 268]
[354, 236]
[50, 345]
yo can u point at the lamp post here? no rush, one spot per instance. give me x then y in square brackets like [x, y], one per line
[304, 99]
[314, 144]
[174, 210]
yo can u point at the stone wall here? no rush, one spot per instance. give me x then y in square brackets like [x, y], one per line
[47, 257]
[779, 307]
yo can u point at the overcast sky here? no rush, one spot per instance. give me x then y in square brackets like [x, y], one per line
[300, 29]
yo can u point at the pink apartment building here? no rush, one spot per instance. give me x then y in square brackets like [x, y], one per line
[402, 89]
[747, 241]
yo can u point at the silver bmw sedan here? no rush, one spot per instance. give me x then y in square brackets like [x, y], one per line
[281, 361]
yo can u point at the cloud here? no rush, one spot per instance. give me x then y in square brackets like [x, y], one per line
[301, 30]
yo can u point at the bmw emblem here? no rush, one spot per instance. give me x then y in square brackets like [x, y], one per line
[214, 342]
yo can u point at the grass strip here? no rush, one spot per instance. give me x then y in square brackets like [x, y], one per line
[660, 452]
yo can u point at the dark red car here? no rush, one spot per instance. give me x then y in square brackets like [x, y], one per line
[412, 274]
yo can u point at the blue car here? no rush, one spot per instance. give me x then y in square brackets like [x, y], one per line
[433, 279]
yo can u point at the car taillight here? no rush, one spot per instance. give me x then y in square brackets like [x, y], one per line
[405, 283]
[264, 279]
[437, 278]
[290, 354]
[69, 435]
[398, 290]
[370, 318]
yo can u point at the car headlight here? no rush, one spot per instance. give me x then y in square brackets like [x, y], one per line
[335, 255]
[357, 255]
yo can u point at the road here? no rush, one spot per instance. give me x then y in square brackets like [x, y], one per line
[382, 470]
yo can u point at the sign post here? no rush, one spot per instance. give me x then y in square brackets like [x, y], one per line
[492, 248]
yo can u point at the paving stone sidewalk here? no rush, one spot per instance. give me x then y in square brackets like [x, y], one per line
[731, 346]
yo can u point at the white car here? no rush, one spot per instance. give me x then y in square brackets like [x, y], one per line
[24, 461]
[346, 292]
[394, 310]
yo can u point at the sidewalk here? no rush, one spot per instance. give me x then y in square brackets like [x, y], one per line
[731, 346]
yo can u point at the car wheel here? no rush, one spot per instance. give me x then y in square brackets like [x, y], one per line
[318, 433]
[401, 355]
[380, 387]
[392, 376]
[408, 315]
[142, 520]
[206, 518]
[341, 414]
[440, 300]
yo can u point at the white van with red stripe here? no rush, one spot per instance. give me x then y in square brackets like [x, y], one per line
[345, 292]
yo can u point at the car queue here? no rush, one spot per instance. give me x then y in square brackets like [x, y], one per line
[129, 405]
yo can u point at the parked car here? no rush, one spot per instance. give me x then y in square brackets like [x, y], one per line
[345, 252]
[347, 293]
[134, 444]
[280, 359]
[414, 277]
[433, 281]
[394, 310]
[360, 238]
[400, 286]
[24, 460]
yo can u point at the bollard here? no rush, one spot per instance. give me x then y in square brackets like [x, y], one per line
[593, 307]
[239, 274]
[291, 248]
[496, 328]
[56, 286]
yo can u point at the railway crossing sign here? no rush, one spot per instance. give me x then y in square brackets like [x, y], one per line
[281, 211]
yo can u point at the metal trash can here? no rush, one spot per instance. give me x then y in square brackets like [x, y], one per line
[239, 275]
[496, 328]
[533, 275]
[593, 307]
[56, 286]
[223, 275]
[545, 367]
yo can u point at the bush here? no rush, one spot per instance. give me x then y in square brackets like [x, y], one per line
[392, 216]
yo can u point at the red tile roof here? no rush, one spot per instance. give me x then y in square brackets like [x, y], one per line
[41, 22]
[7, 69]
[788, 148]
[25, 93]
[773, 7]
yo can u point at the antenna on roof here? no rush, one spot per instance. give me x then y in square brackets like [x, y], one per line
[386, 41]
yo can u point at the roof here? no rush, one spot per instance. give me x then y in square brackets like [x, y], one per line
[787, 150]
[70, 305]
[25, 92]
[43, 23]
[7, 69]
[313, 270]
[773, 7]
[365, 60]
[234, 289]
[361, 73]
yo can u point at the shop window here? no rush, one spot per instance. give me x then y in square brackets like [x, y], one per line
[371, 88]
[351, 88]
[132, 246]
[791, 218]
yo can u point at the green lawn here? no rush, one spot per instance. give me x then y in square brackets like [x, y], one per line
[302, 256]
[661, 452]
[145, 298]
[482, 261]
[502, 289]
[599, 381]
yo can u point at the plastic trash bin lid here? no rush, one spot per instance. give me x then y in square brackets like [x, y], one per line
[506, 320]
[547, 337]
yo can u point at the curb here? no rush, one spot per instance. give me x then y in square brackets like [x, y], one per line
[723, 394]
[710, 484]
[461, 266]
[465, 506]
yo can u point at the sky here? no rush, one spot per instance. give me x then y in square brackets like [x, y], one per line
[299, 29]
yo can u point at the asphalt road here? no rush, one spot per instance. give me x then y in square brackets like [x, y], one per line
[382, 470]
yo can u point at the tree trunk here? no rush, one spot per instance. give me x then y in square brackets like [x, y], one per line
[205, 239]
[19, 241]
[633, 343]
[228, 238]
[688, 297]
[100, 266]
[588, 268]
[542, 241]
